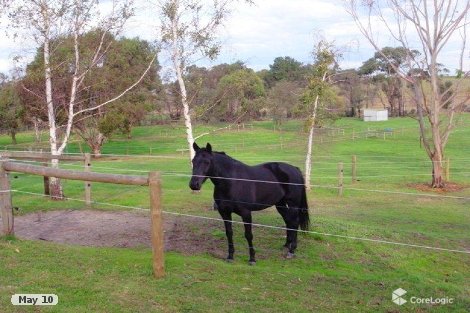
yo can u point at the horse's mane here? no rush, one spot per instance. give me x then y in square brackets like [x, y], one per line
[225, 157]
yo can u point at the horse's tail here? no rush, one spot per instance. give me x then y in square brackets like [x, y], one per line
[304, 219]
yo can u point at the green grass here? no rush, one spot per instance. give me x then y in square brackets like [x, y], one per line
[329, 274]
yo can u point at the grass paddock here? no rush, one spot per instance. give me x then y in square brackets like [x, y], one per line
[329, 274]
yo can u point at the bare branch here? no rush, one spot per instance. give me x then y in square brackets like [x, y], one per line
[435, 23]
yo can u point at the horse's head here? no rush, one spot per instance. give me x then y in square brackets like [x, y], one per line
[202, 166]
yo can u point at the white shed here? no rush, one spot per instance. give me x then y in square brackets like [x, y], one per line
[375, 115]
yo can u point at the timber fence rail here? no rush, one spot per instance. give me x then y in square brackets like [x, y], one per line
[356, 166]
[152, 180]
[46, 157]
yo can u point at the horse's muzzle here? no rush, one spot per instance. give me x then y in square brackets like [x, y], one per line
[195, 185]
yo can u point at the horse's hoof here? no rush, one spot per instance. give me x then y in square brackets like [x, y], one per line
[290, 255]
[229, 260]
[252, 263]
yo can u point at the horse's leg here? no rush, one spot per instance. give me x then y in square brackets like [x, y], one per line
[246, 217]
[227, 217]
[292, 224]
[282, 209]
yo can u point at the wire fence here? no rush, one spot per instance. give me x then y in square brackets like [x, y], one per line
[368, 159]
[283, 228]
[183, 174]
[355, 238]
[373, 162]
[369, 165]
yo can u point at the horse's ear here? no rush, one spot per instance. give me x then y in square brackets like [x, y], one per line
[195, 146]
[209, 148]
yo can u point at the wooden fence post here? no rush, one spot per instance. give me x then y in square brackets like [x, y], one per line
[340, 178]
[5, 202]
[353, 169]
[87, 183]
[448, 169]
[157, 224]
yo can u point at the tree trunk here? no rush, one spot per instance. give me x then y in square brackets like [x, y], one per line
[37, 133]
[178, 66]
[434, 151]
[55, 184]
[97, 151]
[13, 137]
[387, 89]
[308, 159]
[187, 119]
[437, 173]
[436, 158]
[93, 139]
[97, 145]
[401, 106]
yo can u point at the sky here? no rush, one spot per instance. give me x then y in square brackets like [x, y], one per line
[257, 34]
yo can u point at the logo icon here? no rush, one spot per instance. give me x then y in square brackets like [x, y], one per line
[397, 296]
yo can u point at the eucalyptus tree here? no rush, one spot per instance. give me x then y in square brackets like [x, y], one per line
[431, 28]
[383, 67]
[319, 88]
[238, 96]
[285, 69]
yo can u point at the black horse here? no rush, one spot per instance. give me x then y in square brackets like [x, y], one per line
[241, 189]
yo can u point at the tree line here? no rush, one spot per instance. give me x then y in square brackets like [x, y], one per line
[223, 93]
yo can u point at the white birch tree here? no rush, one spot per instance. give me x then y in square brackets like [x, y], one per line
[188, 34]
[46, 21]
[428, 27]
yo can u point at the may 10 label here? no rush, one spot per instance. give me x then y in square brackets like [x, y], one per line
[34, 299]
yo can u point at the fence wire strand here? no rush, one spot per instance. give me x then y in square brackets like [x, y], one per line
[396, 243]
[177, 174]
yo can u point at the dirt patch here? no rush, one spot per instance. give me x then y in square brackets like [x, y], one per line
[119, 229]
[450, 187]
